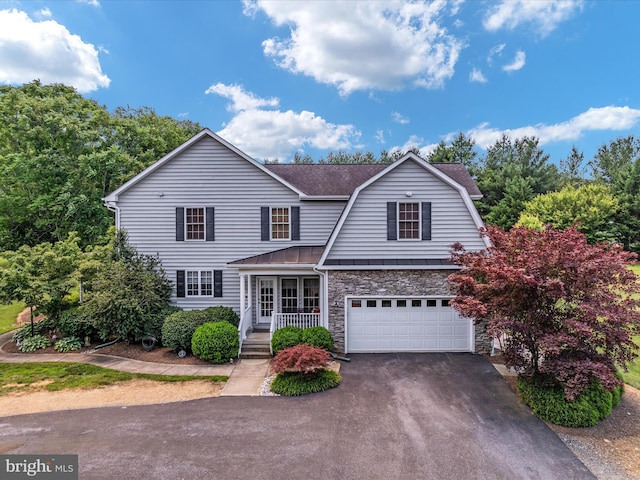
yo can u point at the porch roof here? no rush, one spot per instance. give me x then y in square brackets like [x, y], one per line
[293, 256]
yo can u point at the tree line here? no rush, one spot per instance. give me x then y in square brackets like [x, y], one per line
[61, 153]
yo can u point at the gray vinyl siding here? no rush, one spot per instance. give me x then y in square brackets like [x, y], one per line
[364, 232]
[210, 175]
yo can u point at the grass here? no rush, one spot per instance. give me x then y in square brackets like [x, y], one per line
[632, 377]
[55, 376]
[8, 314]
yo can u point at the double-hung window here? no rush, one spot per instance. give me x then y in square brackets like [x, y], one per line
[409, 221]
[280, 225]
[194, 223]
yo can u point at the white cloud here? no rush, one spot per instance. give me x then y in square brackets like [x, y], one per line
[399, 118]
[46, 51]
[603, 118]
[241, 100]
[518, 62]
[543, 15]
[477, 76]
[379, 136]
[363, 45]
[495, 51]
[271, 134]
[93, 3]
[43, 13]
[414, 142]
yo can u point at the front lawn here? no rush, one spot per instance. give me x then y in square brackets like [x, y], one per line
[8, 315]
[54, 376]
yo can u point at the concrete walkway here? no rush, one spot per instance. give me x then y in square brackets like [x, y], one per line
[245, 376]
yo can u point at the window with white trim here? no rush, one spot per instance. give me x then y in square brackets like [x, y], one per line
[289, 295]
[199, 283]
[409, 221]
[194, 223]
[280, 223]
[310, 294]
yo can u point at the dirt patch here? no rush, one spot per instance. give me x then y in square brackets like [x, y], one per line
[132, 392]
[25, 317]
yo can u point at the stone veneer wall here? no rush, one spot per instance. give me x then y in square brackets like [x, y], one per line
[388, 282]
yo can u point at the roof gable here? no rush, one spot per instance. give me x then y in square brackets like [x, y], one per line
[432, 169]
[113, 196]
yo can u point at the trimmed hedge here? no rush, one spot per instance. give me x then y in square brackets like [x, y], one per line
[179, 327]
[549, 403]
[294, 384]
[216, 341]
[223, 314]
[286, 337]
[318, 337]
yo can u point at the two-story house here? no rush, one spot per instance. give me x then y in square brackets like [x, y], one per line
[360, 249]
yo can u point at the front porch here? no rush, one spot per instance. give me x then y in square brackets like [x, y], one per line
[281, 288]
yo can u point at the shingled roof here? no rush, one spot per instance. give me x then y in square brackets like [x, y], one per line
[341, 180]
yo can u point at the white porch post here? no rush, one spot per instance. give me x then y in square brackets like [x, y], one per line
[243, 279]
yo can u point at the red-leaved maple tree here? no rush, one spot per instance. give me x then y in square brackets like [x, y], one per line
[565, 310]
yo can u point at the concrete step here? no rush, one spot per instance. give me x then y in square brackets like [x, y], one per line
[254, 355]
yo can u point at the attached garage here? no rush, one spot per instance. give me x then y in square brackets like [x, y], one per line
[406, 324]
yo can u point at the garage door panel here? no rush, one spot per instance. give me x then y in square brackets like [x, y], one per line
[412, 325]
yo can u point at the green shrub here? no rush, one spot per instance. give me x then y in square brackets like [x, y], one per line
[318, 337]
[68, 344]
[216, 341]
[223, 314]
[154, 322]
[286, 337]
[294, 384]
[39, 328]
[179, 327]
[549, 403]
[72, 323]
[34, 343]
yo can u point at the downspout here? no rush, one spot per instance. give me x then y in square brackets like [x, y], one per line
[114, 208]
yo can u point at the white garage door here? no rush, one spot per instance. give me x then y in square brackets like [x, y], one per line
[406, 325]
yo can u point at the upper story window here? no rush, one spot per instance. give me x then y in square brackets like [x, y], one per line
[280, 223]
[408, 221]
[194, 223]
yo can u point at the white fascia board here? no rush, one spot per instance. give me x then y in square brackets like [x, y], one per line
[342, 198]
[113, 196]
[275, 270]
[390, 267]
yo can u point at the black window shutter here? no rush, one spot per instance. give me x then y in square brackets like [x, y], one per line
[180, 283]
[295, 223]
[179, 224]
[264, 224]
[210, 225]
[392, 221]
[426, 220]
[217, 283]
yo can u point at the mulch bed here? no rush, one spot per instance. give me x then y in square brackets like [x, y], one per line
[123, 349]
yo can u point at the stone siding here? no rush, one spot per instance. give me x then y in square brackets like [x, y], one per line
[392, 283]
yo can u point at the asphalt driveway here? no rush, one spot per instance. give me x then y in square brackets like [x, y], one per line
[395, 416]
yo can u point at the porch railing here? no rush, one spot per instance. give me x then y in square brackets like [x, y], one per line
[243, 327]
[302, 320]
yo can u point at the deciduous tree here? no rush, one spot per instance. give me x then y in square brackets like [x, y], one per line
[566, 309]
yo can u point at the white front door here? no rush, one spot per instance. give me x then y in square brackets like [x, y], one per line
[266, 299]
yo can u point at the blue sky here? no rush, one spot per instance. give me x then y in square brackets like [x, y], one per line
[279, 77]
